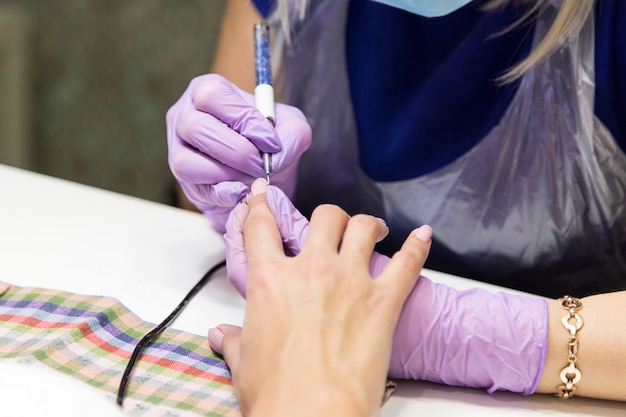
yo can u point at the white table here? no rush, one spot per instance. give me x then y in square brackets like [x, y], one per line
[67, 236]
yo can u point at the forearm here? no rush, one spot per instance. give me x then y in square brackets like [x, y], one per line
[601, 348]
[234, 58]
[509, 342]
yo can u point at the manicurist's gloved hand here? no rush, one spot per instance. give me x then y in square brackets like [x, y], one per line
[468, 338]
[292, 226]
[215, 135]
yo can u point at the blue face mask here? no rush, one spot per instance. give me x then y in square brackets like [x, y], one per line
[427, 8]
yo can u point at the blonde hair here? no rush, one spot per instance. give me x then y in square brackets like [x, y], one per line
[568, 23]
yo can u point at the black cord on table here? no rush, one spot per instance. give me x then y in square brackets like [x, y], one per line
[158, 329]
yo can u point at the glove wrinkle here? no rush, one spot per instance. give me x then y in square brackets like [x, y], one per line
[471, 338]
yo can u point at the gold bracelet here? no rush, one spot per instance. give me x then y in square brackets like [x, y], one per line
[573, 322]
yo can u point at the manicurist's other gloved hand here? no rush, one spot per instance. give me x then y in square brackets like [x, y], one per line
[292, 226]
[471, 338]
[215, 135]
[317, 333]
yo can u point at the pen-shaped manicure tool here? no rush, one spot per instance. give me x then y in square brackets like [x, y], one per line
[264, 92]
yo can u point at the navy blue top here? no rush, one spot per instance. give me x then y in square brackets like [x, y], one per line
[413, 77]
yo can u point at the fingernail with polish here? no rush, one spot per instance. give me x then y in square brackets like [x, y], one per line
[215, 339]
[424, 233]
[384, 231]
[259, 186]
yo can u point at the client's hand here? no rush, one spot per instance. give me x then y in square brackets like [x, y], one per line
[470, 338]
[317, 333]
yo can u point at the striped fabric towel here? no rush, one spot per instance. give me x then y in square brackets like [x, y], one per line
[91, 338]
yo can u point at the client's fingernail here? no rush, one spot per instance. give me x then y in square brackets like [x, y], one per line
[215, 339]
[384, 232]
[424, 233]
[259, 186]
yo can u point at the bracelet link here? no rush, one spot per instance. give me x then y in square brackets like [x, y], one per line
[573, 322]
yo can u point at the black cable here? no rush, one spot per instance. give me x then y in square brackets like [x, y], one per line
[158, 329]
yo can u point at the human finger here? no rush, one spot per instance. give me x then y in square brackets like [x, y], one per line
[236, 257]
[224, 195]
[328, 223]
[215, 95]
[361, 235]
[225, 339]
[292, 225]
[403, 271]
[189, 165]
[261, 235]
[213, 137]
[295, 136]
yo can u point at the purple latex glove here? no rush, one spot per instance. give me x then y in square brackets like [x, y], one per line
[470, 338]
[215, 135]
[292, 225]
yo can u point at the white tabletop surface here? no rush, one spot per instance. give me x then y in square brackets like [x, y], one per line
[62, 235]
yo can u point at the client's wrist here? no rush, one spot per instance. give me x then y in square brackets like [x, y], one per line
[324, 399]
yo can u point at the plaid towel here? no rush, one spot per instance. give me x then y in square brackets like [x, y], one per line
[91, 338]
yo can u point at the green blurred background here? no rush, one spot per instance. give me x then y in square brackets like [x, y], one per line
[85, 85]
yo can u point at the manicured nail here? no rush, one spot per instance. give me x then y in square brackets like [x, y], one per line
[259, 186]
[384, 232]
[424, 233]
[215, 339]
